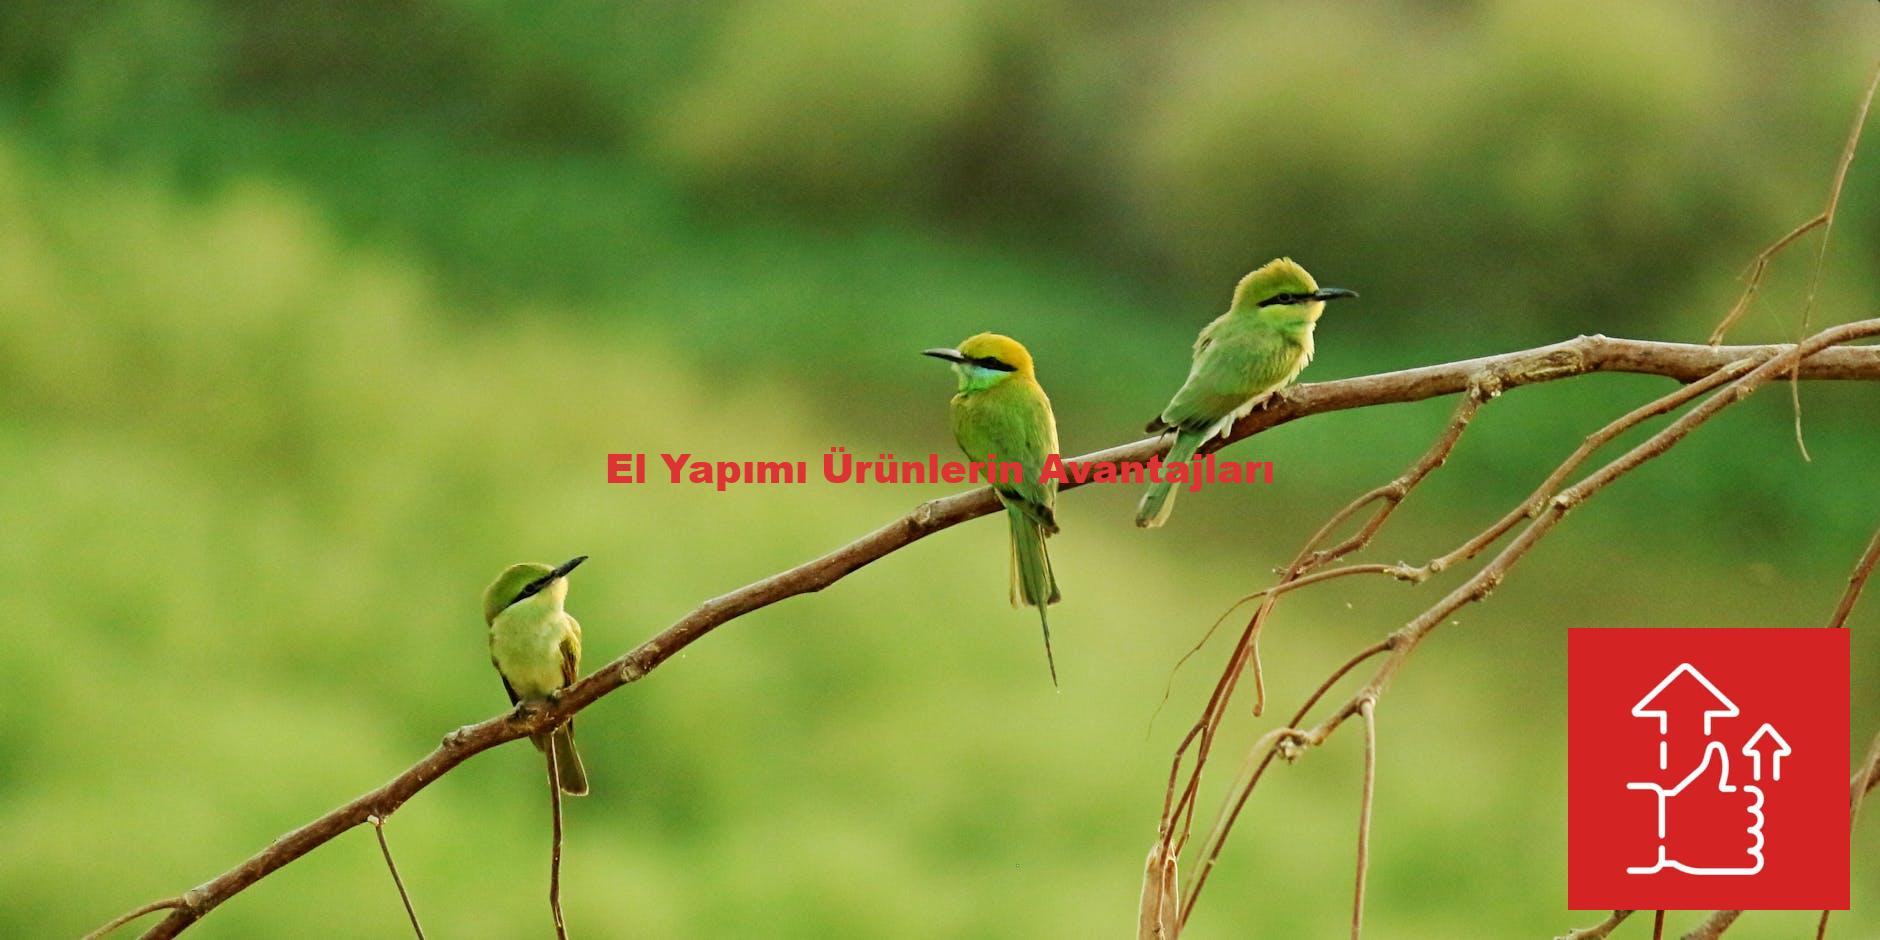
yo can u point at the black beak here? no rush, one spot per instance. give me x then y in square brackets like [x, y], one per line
[562, 570]
[950, 355]
[1333, 293]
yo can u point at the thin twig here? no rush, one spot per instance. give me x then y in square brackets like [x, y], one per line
[1823, 220]
[378, 826]
[1754, 277]
[1713, 926]
[1856, 582]
[554, 856]
[1658, 925]
[1369, 711]
[1599, 931]
[1829, 213]
[1827, 232]
[1865, 778]
[132, 914]
[1587, 354]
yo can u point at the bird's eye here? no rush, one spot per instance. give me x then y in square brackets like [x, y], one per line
[1281, 300]
[993, 363]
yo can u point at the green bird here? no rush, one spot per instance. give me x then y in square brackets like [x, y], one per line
[536, 648]
[1253, 350]
[999, 415]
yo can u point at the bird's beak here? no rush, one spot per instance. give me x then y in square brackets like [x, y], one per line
[1332, 293]
[561, 571]
[943, 352]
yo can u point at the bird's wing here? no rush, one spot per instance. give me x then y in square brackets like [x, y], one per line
[513, 698]
[571, 652]
[1203, 342]
[1013, 422]
[1234, 364]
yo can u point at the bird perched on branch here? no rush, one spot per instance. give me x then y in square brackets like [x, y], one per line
[1253, 350]
[536, 648]
[1001, 415]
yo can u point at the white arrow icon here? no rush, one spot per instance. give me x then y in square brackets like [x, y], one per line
[1641, 710]
[1754, 753]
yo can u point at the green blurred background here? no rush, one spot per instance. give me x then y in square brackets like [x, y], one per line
[314, 316]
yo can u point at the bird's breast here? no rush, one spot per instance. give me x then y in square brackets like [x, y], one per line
[528, 652]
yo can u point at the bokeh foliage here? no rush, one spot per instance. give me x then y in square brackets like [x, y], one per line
[313, 316]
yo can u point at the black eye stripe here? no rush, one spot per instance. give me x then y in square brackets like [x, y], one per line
[991, 362]
[1283, 299]
[531, 589]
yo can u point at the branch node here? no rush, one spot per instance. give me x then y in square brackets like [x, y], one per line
[924, 513]
[1488, 585]
[1291, 744]
[1484, 386]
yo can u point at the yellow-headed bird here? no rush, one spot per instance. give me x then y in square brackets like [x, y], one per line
[536, 648]
[1253, 350]
[1001, 415]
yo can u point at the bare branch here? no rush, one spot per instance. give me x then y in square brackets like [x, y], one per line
[1161, 898]
[1599, 931]
[1369, 711]
[1713, 926]
[1856, 582]
[1543, 518]
[1658, 925]
[1823, 220]
[378, 827]
[1247, 651]
[1587, 354]
[132, 914]
[1833, 208]
[1865, 778]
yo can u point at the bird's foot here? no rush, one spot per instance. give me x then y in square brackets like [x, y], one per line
[554, 698]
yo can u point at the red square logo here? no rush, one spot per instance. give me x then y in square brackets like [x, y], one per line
[1707, 768]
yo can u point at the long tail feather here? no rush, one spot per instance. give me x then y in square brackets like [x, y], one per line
[1033, 581]
[1159, 501]
[570, 774]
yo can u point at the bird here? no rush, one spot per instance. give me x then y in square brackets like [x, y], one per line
[1254, 349]
[1000, 414]
[535, 646]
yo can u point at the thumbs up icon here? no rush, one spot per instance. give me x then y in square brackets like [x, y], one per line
[1706, 824]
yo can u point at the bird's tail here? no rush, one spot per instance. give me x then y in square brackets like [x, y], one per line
[1033, 582]
[569, 772]
[1159, 501]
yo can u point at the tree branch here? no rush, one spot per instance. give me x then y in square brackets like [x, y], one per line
[1587, 354]
[378, 827]
[1713, 926]
[1369, 711]
[1601, 930]
[1856, 582]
